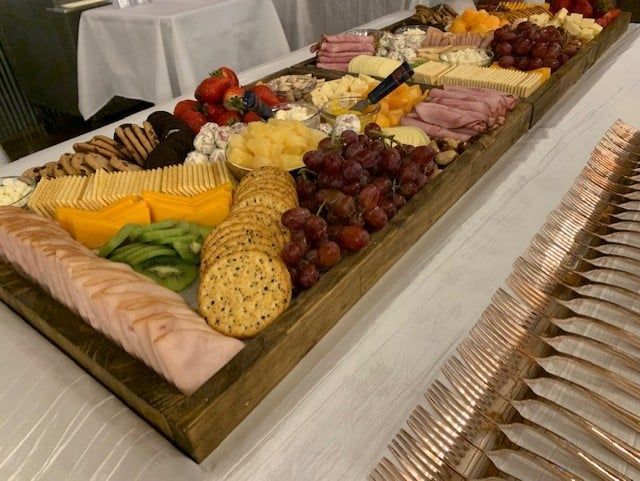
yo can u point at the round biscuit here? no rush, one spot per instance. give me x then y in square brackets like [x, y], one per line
[244, 292]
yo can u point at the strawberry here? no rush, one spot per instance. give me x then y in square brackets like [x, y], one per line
[195, 120]
[251, 117]
[266, 95]
[185, 106]
[212, 88]
[583, 7]
[228, 117]
[603, 6]
[229, 74]
[232, 99]
[560, 4]
[211, 111]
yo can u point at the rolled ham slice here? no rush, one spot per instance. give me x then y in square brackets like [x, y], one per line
[507, 100]
[450, 118]
[361, 48]
[437, 131]
[148, 321]
[479, 107]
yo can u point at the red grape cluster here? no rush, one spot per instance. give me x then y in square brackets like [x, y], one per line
[528, 47]
[352, 185]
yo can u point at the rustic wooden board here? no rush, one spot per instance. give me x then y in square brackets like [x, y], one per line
[198, 423]
[631, 6]
[562, 80]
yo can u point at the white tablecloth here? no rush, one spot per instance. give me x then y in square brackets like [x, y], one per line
[161, 50]
[332, 417]
[304, 21]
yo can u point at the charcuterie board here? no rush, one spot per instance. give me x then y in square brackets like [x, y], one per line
[199, 422]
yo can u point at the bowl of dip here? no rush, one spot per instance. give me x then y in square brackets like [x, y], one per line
[338, 110]
[16, 190]
[303, 112]
[476, 57]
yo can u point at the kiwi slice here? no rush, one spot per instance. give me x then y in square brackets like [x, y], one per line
[149, 252]
[169, 271]
[185, 251]
[121, 253]
[188, 238]
[159, 234]
[128, 231]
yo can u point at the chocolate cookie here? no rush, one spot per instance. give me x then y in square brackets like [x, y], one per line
[98, 162]
[65, 162]
[163, 156]
[121, 135]
[151, 134]
[120, 165]
[143, 139]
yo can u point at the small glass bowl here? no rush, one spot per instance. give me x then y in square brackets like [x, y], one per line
[365, 32]
[31, 184]
[403, 30]
[312, 120]
[483, 63]
[341, 105]
[305, 85]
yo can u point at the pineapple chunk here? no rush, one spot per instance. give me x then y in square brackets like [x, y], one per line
[259, 146]
[240, 157]
[237, 142]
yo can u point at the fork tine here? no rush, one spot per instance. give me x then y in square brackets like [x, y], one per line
[413, 449]
[406, 462]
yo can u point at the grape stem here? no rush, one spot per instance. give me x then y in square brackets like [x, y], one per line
[322, 206]
[391, 138]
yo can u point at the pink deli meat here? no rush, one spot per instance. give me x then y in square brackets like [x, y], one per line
[450, 118]
[435, 130]
[508, 101]
[479, 107]
[361, 48]
[345, 37]
[150, 322]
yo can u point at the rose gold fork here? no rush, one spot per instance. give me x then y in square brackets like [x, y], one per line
[480, 390]
[452, 407]
[487, 347]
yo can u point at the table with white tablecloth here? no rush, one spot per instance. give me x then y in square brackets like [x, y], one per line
[333, 415]
[304, 21]
[161, 50]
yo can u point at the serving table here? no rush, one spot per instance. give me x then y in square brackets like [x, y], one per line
[161, 50]
[332, 416]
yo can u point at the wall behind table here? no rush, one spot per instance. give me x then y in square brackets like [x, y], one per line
[304, 21]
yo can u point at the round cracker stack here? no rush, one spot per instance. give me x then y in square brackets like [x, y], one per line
[244, 284]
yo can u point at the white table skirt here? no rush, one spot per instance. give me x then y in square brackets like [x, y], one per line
[162, 50]
[333, 415]
[304, 21]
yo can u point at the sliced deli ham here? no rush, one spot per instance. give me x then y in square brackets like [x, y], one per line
[147, 320]
[348, 47]
[449, 117]
[436, 131]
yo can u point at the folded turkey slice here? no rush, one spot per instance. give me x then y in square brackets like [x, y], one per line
[147, 320]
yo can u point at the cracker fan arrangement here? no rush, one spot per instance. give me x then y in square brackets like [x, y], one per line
[546, 385]
[207, 249]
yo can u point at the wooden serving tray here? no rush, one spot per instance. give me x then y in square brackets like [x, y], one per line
[200, 422]
[549, 93]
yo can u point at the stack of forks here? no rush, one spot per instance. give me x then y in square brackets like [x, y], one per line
[546, 386]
